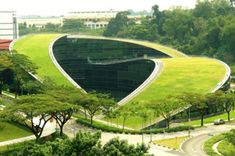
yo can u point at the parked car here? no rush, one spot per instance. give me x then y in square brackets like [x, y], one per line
[219, 122]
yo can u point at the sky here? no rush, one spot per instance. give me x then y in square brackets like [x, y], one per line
[61, 7]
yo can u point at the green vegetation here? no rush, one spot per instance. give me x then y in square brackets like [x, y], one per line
[179, 75]
[83, 144]
[173, 143]
[73, 26]
[226, 148]
[36, 48]
[11, 131]
[211, 119]
[208, 29]
[209, 143]
[108, 128]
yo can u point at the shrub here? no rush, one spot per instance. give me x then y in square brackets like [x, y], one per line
[107, 128]
[2, 127]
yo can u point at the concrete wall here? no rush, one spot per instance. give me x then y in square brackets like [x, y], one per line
[8, 25]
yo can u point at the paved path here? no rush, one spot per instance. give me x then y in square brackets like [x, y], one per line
[215, 147]
[194, 146]
[200, 133]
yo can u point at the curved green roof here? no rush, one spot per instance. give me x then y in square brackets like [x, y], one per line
[180, 73]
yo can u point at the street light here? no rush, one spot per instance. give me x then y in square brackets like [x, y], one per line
[189, 120]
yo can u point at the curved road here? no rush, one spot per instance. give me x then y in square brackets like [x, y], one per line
[194, 146]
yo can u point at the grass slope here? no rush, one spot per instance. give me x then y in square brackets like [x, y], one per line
[12, 131]
[167, 50]
[223, 116]
[173, 143]
[36, 48]
[179, 75]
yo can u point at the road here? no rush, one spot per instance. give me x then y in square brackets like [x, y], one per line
[194, 146]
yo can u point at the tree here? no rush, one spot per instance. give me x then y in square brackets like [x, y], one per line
[117, 24]
[121, 147]
[5, 70]
[34, 112]
[198, 102]
[125, 114]
[68, 98]
[169, 107]
[95, 102]
[84, 143]
[72, 25]
[22, 67]
[230, 137]
[228, 103]
[59, 147]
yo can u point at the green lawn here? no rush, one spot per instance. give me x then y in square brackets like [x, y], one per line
[179, 75]
[36, 48]
[164, 49]
[213, 118]
[226, 148]
[209, 144]
[12, 131]
[173, 143]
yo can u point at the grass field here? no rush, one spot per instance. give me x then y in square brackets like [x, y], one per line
[226, 148]
[223, 116]
[173, 143]
[164, 49]
[209, 143]
[12, 131]
[36, 48]
[179, 75]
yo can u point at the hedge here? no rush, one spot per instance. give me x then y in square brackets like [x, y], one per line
[107, 128]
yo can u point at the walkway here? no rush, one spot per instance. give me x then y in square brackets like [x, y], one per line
[72, 128]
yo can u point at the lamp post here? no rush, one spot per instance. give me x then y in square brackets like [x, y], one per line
[189, 120]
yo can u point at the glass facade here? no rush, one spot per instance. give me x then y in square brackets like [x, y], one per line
[118, 79]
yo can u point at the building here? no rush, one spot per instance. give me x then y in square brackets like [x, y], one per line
[40, 22]
[8, 28]
[93, 19]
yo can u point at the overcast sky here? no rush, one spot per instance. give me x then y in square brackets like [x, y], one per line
[61, 7]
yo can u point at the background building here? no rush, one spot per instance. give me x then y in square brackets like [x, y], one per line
[8, 28]
[41, 22]
[93, 19]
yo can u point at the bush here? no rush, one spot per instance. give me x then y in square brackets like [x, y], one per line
[2, 127]
[107, 128]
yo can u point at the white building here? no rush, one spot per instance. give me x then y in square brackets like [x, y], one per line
[8, 25]
[40, 22]
[93, 19]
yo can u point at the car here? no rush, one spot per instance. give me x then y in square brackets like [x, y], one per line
[219, 122]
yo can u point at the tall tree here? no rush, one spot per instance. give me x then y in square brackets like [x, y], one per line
[6, 66]
[67, 97]
[228, 103]
[95, 102]
[117, 24]
[22, 67]
[197, 101]
[168, 107]
[34, 112]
